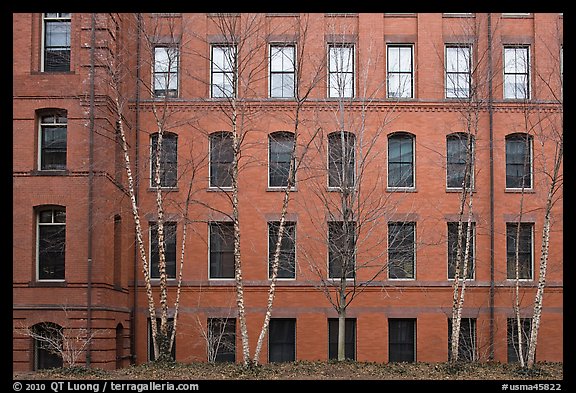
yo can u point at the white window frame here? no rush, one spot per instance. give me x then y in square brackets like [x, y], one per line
[234, 71]
[412, 71]
[531, 163]
[532, 227]
[210, 186]
[42, 124]
[529, 71]
[336, 188]
[336, 279]
[172, 73]
[468, 72]
[282, 45]
[352, 48]
[43, 38]
[281, 188]
[472, 177]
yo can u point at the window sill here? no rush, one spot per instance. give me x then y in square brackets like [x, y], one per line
[401, 189]
[49, 172]
[401, 279]
[281, 189]
[219, 189]
[519, 191]
[52, 73]
[459, 190]
[154, 189]
[48, 283]
[341, 189]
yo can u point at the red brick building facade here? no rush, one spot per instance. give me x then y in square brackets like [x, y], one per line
[399, 83]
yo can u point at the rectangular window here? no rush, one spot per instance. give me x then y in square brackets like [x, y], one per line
[287, 258]
[222, 250]
[400, 161]
[516, 72]
[458, 154]
[56, 42]
[453, 250]
[466, 342]
[223, 71]
[166, 71]
[524, 250]
[151, 354]
[340, 70]
[221, 340]
[400, 71]
[169, 250]
[282, 71]
[117, 251]
[282, 340]
[341, 249]
[458, 65]
[51, 246]
[401, 250]
[168, 160]
[281, 145]
[349, 338]
[221, 159]
[341, 159]
[518, 161]
[514, 340]
[401, 340]
[53, 145]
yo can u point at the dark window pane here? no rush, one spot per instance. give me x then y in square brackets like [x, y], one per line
[169, 250]
[453, 249]
[349, 338]
[222, 250]
[341, 159]
[287, 258]
[168, 160]
[46, 348]
[51, 245]
[282, 340]
[401, 340]
[457, 157]
[151, 354]
[57, 45]
[518, 162]
[524, 250]
[466, 342]
[221, 159]
[341, 249]
[280, 153]
[222, 339]
[53, 149]
[401, 250]
[400, 161]
[514, 340]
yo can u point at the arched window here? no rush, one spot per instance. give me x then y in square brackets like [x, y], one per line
[458, 154]
[47, 345]
[341, 159]
[51, 243]
[280, 148]
[168, 160]
[518, 161]
[401, 160]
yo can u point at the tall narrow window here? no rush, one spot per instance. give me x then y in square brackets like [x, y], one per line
[282, 71]
[401, 340]
[349, 338]
[282, 340]
[341, 159]
[169, 250]
[53, 136]
[401, 249]
[221, 250]
[458, 65]
[518, 161]
[280, 148]
[516, 72]
[453, 250]
[341, 70]
[221, 159]
[524, 250]
[400, 161]
[168, 160]
[166, 71]
[221, 340]
[223, 70]
[51, 244]
[514, 338]
[287, 258]
[117, 251]
[151, 354]
[458, 153]
[56, 42]
[48, 338]
[341, 249]
[400, 71]
[466, 342]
